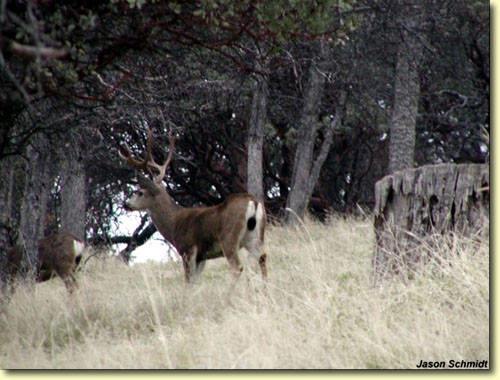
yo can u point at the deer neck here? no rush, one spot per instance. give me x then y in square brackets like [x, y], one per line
[163, 215]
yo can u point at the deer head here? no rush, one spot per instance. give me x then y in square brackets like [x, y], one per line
[149, 188]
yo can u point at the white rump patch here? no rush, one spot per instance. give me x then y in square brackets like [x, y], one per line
[260, 213]
[251, 241]
[78, 247]
[250, 210]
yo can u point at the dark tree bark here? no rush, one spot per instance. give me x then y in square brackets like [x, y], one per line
[406, 92]
[308, 126]
[11, 191]
[39, 174]
[138, 238]
[6, 186]
[73, 189]
[414, 204]
[325, 147]
[258, 117]
[306, 167]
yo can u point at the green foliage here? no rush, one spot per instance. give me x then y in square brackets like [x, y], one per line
[278, 20]
[88, 33]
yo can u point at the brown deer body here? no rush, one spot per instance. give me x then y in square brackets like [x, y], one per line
[200, 233]
[58, 254]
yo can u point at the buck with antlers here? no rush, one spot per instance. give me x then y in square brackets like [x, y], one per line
[199, 233]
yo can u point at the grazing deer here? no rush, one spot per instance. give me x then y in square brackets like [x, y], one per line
[199, 233]
[59, 253]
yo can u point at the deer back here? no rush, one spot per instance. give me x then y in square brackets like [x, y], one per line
[58, 252]
[203, 226]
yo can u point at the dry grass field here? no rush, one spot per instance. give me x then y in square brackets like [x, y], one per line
[318, 310]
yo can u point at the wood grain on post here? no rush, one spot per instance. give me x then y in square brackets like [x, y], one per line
[413, 205]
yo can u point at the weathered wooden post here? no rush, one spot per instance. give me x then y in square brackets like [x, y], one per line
[414, 204]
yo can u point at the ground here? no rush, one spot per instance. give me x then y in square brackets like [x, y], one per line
[318, 309]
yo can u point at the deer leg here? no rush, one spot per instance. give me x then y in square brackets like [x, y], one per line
[200, 265]
[69, 281]
[44, 275]
[197, 263]
[256, 250]
[262, 264]
[189, 262]
[230, 250]
[187, 269]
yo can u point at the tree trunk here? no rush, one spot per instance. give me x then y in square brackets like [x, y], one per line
[309, 124]
[258, 116]
[33, 214]
[73, 190]
[306, 168]
[6, 186]
[11, 190]
[406, 93]
[412, 205]
[325, 147]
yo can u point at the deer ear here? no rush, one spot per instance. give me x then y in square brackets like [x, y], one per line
[147, 184]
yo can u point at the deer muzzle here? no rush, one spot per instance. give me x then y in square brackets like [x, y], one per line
[126, 206]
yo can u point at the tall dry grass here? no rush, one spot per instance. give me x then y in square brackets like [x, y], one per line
[318, 310]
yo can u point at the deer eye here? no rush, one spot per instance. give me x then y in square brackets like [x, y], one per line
[140, 193]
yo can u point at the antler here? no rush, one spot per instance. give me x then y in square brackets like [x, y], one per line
[148, 162]
[129, 159]
[153, 164]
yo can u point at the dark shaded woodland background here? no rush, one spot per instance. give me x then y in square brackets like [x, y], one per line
[305, 104]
